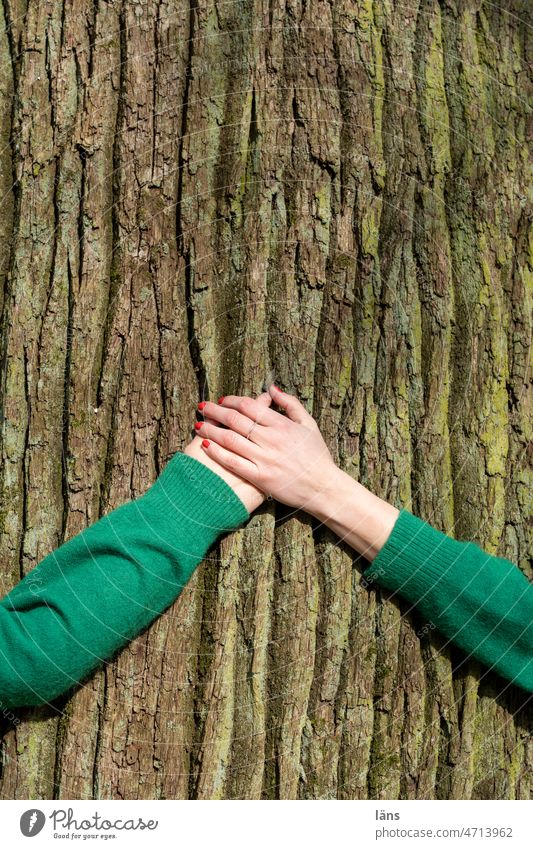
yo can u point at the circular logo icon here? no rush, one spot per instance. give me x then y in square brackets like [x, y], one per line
[31, 822]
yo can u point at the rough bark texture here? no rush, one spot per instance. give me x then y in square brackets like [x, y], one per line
[196, 196]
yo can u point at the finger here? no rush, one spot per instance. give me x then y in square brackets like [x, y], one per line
[236, 415]
[195, 429]
[198, 425]
[233, 462]
[265, 398]
[253, 408]
[230, 440]
[294, 408]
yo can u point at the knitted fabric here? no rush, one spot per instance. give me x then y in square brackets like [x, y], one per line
[98, 590]
[481, 602]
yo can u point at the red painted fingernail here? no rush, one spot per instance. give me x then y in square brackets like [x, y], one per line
[198, 425]
[201, 405]
[205, 443]
[220, 399]
[276, 387]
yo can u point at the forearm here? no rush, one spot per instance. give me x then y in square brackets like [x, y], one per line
[482, 602]
[97, 591]
[354, 513]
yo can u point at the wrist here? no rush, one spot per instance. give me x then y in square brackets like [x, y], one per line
[193, 498]
[361, 518]
[250, 496]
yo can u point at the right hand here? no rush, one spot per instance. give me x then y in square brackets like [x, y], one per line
[285, 456]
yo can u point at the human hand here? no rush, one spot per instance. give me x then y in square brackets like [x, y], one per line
[250, 495]
[284, 455]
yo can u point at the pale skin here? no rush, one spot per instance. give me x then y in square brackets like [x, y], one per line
[251, 496]
[286, 456]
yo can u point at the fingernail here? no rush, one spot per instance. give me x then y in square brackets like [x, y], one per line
[198, 425]
[220, 399]
[205, 443]
[276, 387]
[201, 405]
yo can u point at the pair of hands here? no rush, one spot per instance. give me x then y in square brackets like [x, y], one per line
[284, 456]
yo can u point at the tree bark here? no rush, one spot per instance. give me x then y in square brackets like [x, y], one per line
[199, 197]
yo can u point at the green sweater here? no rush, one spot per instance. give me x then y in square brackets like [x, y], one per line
[96, 592]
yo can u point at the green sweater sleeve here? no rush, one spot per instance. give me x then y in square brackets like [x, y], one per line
[481, 602]
[98, 590]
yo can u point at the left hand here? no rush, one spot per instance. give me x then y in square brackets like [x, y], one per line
[250, 495]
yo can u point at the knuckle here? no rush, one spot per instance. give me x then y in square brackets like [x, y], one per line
[245, 406]
[232, 440]
[233, 419]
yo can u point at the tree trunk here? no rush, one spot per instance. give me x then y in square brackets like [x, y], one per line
[201, 196]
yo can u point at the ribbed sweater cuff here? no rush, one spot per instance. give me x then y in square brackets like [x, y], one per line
[196, 500]
[482, 602]
[413, 559]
